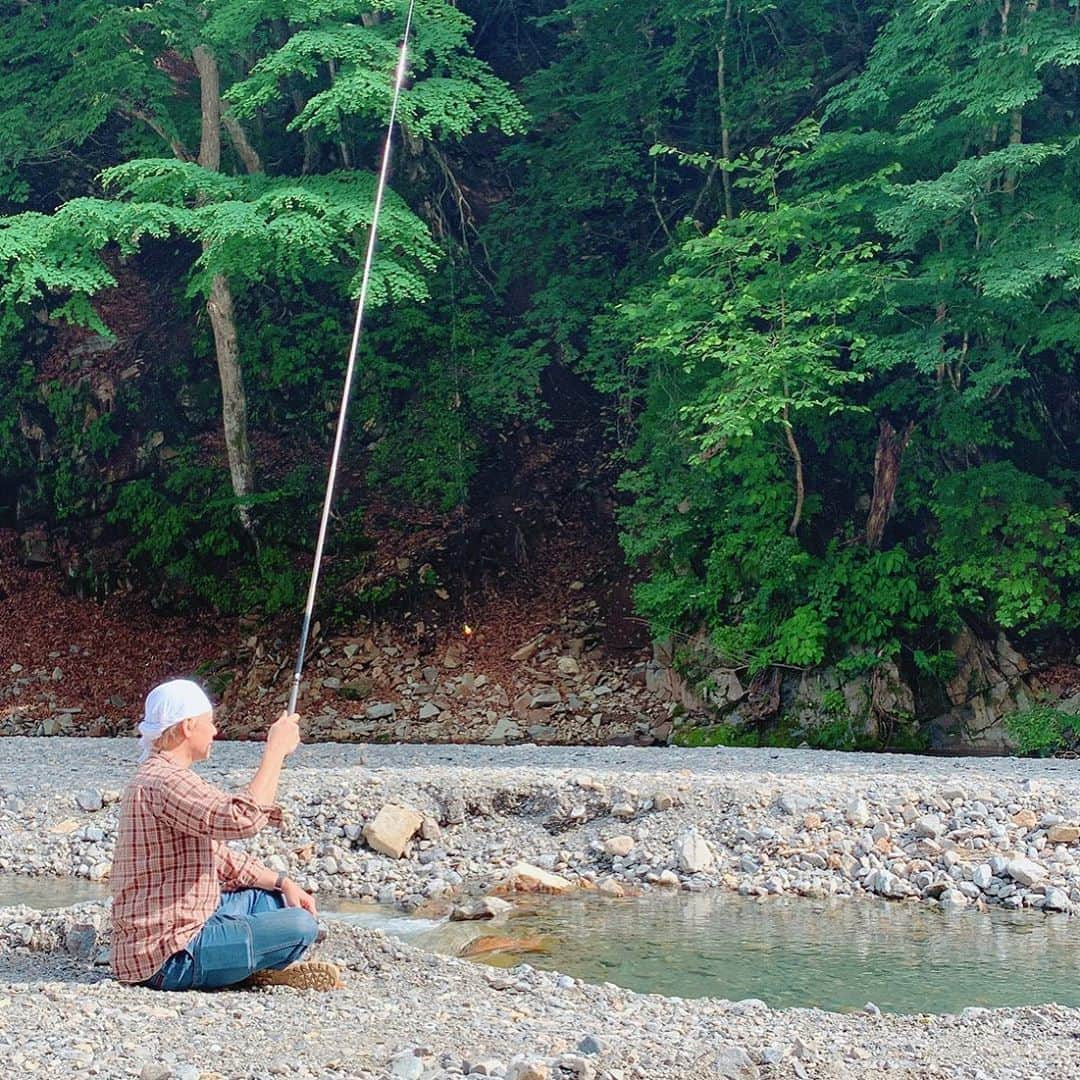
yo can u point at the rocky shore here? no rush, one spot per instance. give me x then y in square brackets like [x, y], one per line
[951, 832]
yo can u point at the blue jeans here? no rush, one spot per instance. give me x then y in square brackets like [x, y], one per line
[251, 930]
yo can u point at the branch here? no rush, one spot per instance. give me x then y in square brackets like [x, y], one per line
[800, 485]
[180, 151]
[245, 151]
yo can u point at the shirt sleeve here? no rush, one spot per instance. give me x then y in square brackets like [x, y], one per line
[192, 806]
[235, 869]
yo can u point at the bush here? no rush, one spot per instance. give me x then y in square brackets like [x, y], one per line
[1044, 731]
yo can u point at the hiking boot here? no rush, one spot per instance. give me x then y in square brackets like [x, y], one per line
[303, 975]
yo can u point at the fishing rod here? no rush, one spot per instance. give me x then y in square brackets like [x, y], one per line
[365, 281]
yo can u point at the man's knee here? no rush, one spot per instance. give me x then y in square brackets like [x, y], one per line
[302, 925]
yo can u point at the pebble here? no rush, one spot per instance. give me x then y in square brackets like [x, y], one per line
[491, 808]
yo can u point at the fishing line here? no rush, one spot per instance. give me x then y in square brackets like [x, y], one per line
[380, 188]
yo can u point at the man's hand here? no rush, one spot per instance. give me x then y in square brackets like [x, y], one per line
[284, 734]
[294, 896]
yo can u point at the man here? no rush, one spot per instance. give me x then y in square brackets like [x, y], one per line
[189, 912]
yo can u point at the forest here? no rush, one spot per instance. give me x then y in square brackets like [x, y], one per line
[809, 272]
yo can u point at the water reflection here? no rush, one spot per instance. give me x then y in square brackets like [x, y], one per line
[789, 952]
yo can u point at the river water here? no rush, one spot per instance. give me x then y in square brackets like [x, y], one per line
[837, 955]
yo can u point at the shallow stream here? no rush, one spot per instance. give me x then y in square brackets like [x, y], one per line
[788, 952]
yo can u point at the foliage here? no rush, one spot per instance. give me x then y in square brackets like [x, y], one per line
[911, 264]
[185, 531]
[822, 259]
[1043, 731]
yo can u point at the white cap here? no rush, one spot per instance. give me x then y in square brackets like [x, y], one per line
[166, 706]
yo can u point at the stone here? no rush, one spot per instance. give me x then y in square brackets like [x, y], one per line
[663, 800]
[528, 1069]
[545, 699]
[1025, 819]
[454, 812]
[794, 804]
[567, 665]
[392, 829]
[428, 711]
[857, 812]
[505, 729]
[576, 1066]
[407, 1066]
[526, 651]
[1063, 834]
[886, 884]
[155, 1070]
[953, 898]
[89, 800]
[80, 940]
[487, 907]
[381, 710]
[619, 846]
[930, 826]
[524, 877]
[982, 876]
[693, 853]
[590, 1045]
[1025, 871]
[1057, 900]
[488, 1067]
[732, 1063]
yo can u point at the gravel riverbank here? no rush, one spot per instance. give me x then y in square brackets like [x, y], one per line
[955, 832]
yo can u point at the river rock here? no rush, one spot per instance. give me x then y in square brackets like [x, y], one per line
[693, 853]
[1025, 871]
[1063, 834]
[486, 907]
[528, 1069]
[1057, 900]
[407, 1066]
[392, 829]
[887, 884]
[930, 826]
[619, 845]
[794, 804]
[89, 800]
[953, 898]
[733, 1063]
[524, 877]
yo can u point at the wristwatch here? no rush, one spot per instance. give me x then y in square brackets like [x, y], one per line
[280, 881]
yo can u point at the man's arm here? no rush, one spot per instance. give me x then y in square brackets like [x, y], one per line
[238, 870]
[281, 740]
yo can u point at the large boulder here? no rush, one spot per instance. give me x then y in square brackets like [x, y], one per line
[392, 829]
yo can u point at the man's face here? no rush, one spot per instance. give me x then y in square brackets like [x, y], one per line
[201, 735]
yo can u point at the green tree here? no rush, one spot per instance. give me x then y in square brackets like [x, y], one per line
[314, 74]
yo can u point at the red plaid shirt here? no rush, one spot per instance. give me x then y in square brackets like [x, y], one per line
[171, 863]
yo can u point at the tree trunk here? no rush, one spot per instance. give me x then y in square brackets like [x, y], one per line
[219, 306]
[233, 401]
[800, 482]
[890, 449]
[725, 132]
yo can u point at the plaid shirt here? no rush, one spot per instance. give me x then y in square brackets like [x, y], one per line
[171, 863]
